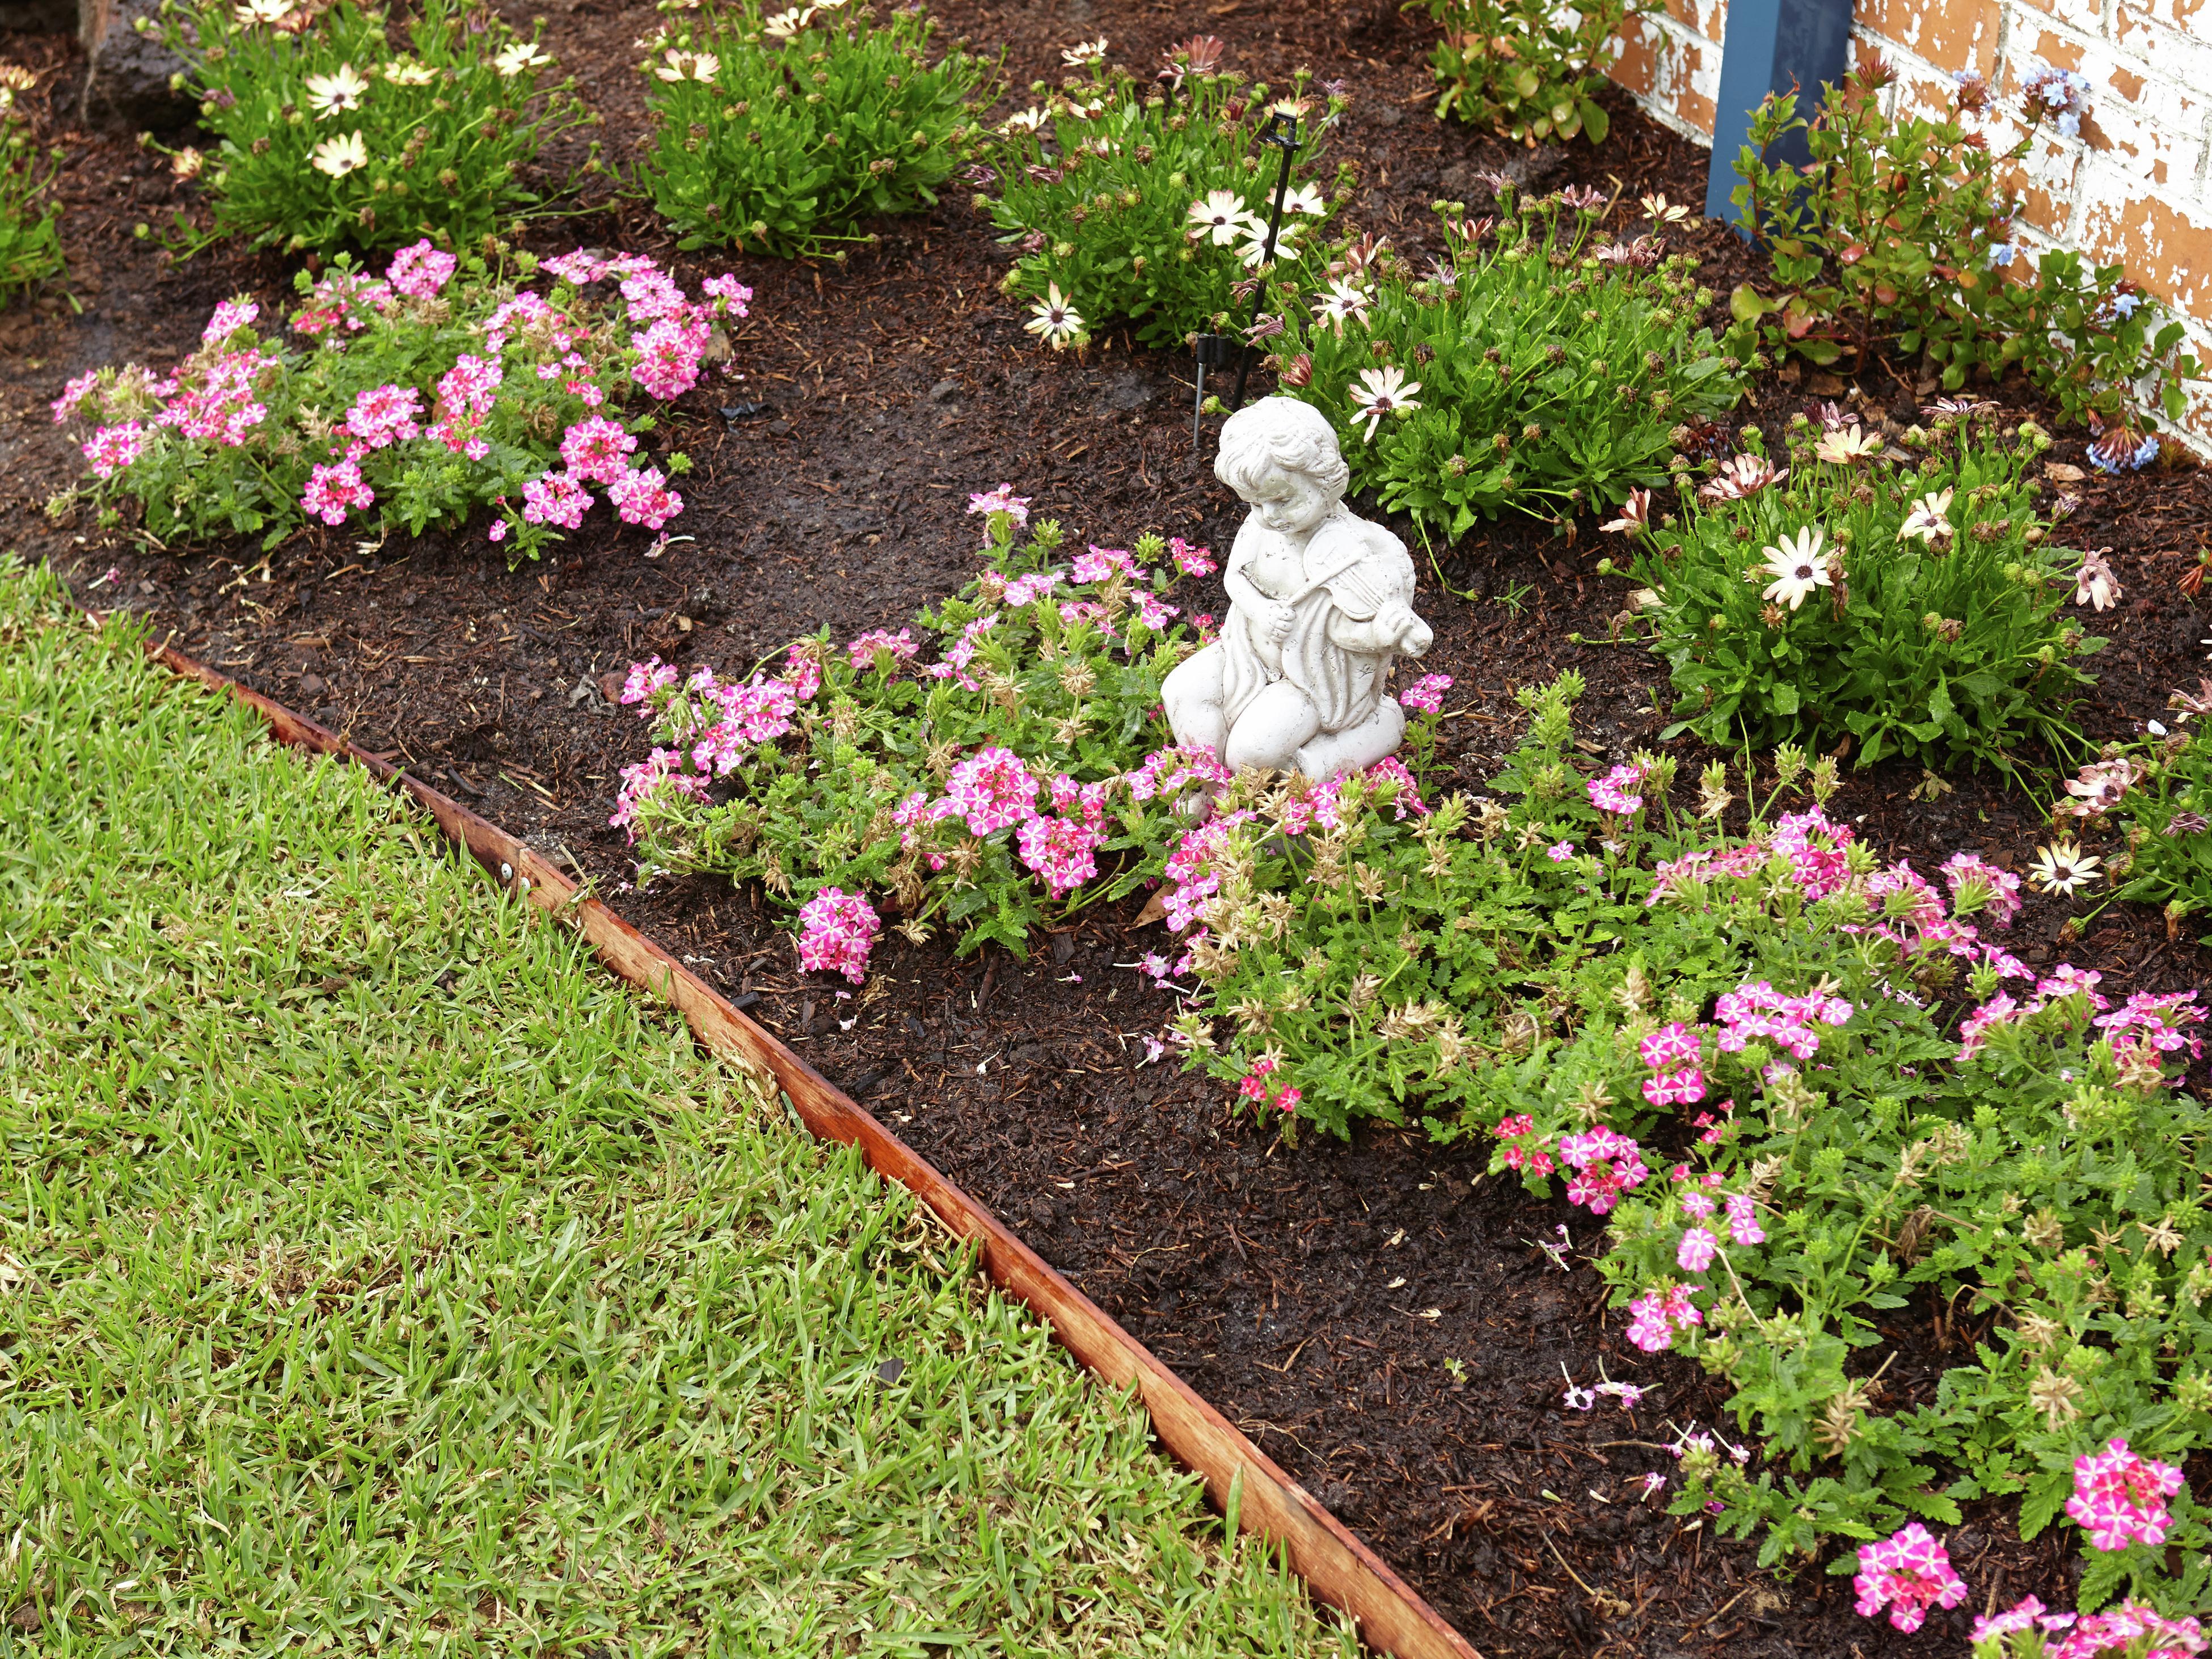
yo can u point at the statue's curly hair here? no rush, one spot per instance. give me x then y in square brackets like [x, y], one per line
[1279, 434]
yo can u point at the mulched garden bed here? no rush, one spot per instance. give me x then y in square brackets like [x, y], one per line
[1314, 1292]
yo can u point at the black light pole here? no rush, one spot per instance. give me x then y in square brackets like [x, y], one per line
[1283, 134]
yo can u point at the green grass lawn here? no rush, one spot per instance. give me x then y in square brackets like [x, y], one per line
[378, 1274]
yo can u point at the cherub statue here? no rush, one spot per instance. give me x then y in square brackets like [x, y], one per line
[1320, 606]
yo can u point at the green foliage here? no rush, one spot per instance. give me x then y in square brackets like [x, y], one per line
[1945, 639]
[1103, 191]
[785, 134]
[1900, 228]
[332, 136]
[1529, 69]
[381, 1275]
[30, 237]
[1064, 675]
[1547, 377]
[1497, 968]
[2163, 816]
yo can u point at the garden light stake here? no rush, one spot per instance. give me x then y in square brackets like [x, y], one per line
[1283, 133]
[1212, 351]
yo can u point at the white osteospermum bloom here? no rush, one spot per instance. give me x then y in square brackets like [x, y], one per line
[1304, 198]
[327, 94]
[1382, 391]
[1798, 566]
[261, 11]
[785, 24]
[406, 72]
[1221, 217]
[341, 155]
[1849, 447]
[1931, 518]
[688, 65]
[1345, 302]
[1054, 321]
[1084, 52]
[2095, 584]
[1028, 120]
[522, 55]
[2061, 867]
[1255, 251]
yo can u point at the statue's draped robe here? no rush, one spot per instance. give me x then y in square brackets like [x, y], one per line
[1353, 570]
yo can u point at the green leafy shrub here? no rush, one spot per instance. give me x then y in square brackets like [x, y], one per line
[1910, 605]
[1529, 69]
[2152, 797]
[30, 237]
[988, 790]
[1150, 205]
[1786, 1080]
[1527, 371]
[333, 136]
[1901, 228]
[444, 387]
[787, 133]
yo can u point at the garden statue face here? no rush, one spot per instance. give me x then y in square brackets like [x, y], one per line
[1319, 608]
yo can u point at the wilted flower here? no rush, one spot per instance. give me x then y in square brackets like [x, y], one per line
[1084, 52]
[1660, 211]
[2062, 867]
[1382, 391]
[1635, 515]
[2100, 786]
[2122, 449]
[1054, 320]
[1798, 566]
[2094, 584]
[187, 163]
[1741, 476]
[1199, 55]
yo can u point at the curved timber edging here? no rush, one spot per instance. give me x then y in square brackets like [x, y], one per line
[1337, 1567]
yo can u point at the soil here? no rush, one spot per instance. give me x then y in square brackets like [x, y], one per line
[1385, 1321]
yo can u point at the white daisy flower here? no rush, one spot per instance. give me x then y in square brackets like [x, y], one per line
[341, 155]
[329, 94]
[1221, 217]
[1798, 566]
[1382, 391]
[1054, 320]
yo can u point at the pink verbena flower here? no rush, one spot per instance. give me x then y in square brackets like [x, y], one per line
[2163, 1021]
[1820, 862]
[1559, 851]
[1605, 1164]
[1695, 1250]
[1684, 1085]
[1908, 1572]
[333, 491]
[642, 497]
[1426, 696]
[2119, 1497]
[580, 267]
[668, 355]
[1394, 783]
[467, 392]
[1743, 1219]
[1654, 1316]
[838, 930]
[646, 679]
[114, 447]
[1001, 500]
[2100, 1635]
[420, 271]
[1063, 851]
[2003, 886]
[640, 782]
[1097, 563]
[74, 395]
[730, 297]
[385, 415]
[555, 498]
[596, 450]
[1670, 1045]
[862, 651]
[228, 319]
[1610, 793]
[992, 789]
[1757, 1010]
[1191, 561]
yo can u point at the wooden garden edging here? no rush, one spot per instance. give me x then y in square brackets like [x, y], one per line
[1338, 1568]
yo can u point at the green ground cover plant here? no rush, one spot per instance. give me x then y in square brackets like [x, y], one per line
[1803, 1092]
[787, 133]
[1149, 204]
[1907, 598]
[1527, 371]
[349, 126]
[447, 385]
[379, 1275]
[989, 790]
[1903, 228]
[30, 233]
[1527, 69]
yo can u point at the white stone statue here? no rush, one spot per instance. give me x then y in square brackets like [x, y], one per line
[1319, 606]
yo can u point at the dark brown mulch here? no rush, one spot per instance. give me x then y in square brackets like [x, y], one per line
[1320, 1294]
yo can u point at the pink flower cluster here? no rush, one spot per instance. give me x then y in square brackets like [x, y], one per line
[1908, 1572]
[1392, 783]
[1256, 1086]
[1760, 1010]
[1001, 500]
[1098, 564]
[2150, 1024]
[381, 416]
[1515, 1128]
[861, 653]
[2119, 1497]
[2096, 1635]
[343, 299]
[663, 768]
[333, 492]
[1426, 696]
[1654, 1316]
[1191, 561]
[992, 789]
[114, 447]
[837, 931]
[2001, 886]
[421, 272]
[228, 317]
[2159, 1021]
[1610, 793]
[1672, 1054]
[1605, 1164]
